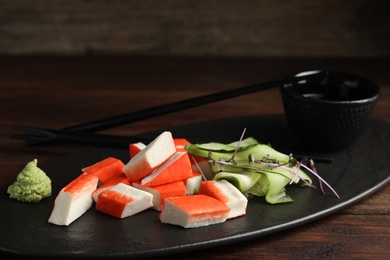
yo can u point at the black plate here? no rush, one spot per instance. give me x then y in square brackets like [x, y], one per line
[355, 173]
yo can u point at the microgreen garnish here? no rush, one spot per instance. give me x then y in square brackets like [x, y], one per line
[248, 157]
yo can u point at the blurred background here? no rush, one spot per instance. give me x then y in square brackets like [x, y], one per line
[245, 28]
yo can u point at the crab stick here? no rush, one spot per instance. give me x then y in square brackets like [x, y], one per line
[123, 201]
[108, 184]
[196, 161]
[106, 168]
[193, 211]
[73, 200]
[175, 168]
[193, 183]
[149, 158]
[135, 148]
[180, 144]
[226, 193]
[163, 191]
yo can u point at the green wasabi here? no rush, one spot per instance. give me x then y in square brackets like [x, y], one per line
[31, 185]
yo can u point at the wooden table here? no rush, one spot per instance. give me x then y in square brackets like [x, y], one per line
[56, 92]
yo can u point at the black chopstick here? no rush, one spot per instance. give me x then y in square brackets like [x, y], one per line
[41, 135]
[118, 120]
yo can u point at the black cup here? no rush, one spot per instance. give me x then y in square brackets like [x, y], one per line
[329, 112]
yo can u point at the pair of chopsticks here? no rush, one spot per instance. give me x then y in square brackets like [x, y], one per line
[40, 135]
[84, 133]
[36, 136]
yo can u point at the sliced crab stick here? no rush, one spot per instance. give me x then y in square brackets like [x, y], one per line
[108, 184]
[198, 163]
[106, 168]
[175, 168]
[123, 201]
[163, 191]
[135, 148]
[180, 144]
[149, 158]
[193, 183]
[73, 200]
[193, 211]
[226, 193]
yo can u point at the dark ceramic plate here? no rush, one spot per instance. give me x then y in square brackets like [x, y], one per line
[355, 173]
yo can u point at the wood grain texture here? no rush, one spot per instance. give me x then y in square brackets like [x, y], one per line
[248, 28]
[56, 92]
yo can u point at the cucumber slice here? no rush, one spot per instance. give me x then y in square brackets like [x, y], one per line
[225, 152]
[260, 188]
[276, 192]
[243, 182]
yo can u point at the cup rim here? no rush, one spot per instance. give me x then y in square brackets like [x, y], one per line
[376, 90]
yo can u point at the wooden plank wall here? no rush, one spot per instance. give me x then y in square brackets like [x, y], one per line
[244, 28]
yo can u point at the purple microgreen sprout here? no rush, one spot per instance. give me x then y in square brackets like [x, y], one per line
[288, 166]
[198, 167]
[238, 144]
[320, 179]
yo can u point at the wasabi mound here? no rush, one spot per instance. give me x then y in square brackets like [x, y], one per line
[31, 185]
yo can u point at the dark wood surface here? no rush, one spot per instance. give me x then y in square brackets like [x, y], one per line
[55, 92]
[261, 28]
